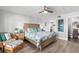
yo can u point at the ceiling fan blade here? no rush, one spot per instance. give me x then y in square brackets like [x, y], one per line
[50, 11]
[47, 10]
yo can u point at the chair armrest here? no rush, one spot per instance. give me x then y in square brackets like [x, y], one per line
[1, 44]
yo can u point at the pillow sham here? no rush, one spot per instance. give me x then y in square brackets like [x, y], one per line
[39, 30]
[32, 30]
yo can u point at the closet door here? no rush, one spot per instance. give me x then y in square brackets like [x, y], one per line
[75, 33]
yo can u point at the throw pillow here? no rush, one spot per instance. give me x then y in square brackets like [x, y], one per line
[3, 37]
[8, 36]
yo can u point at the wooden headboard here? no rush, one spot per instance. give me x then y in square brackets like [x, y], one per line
[29, 25]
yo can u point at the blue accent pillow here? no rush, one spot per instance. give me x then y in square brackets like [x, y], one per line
[33, 29]
[3, 37]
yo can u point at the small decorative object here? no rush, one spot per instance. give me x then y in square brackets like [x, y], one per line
[51, 29]
[61, 25]
[21, 30]
[44, 26]
[16, 30]
[51, 26]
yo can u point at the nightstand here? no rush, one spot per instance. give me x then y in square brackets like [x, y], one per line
[20, 36]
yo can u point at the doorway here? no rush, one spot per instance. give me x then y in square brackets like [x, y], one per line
[73, 29]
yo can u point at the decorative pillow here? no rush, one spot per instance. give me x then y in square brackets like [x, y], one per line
[32, 30]
[8, 36]
[38, 29]
[3, 37]
[28, 30]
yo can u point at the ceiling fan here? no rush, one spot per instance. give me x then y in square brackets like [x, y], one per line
[46, 10]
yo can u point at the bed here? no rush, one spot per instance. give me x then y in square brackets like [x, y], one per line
[39, 38]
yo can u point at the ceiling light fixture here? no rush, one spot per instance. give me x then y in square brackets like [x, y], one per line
[45, 12]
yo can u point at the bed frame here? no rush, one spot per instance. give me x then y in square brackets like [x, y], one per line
[42, 43]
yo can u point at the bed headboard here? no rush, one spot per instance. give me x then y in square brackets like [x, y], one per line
[30, 25]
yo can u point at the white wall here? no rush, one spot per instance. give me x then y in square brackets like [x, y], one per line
[66, 17]
[60, 35]
[63, 35]
[47, 28]
[9, 21]
[1, 22]
[71, 25]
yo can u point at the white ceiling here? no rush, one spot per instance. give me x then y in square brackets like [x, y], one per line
[33, 10]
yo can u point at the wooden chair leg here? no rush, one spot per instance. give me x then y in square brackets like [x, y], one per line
[40, 48]
[2, 49]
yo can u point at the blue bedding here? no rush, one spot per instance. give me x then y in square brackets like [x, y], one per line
[37, 36]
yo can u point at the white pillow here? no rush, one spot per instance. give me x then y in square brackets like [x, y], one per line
[28, 30]
[8, 36]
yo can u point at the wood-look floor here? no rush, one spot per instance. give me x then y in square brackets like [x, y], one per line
[60, 46]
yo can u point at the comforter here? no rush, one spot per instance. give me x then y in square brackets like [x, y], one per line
[38, 36]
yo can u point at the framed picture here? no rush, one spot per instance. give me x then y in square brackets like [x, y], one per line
[61, 25]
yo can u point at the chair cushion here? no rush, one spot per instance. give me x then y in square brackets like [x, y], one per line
[3, 37]
[13, 43]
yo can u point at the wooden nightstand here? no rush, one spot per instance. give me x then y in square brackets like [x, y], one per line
[20, 36]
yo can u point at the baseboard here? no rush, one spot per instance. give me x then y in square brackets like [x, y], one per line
[63, 38]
